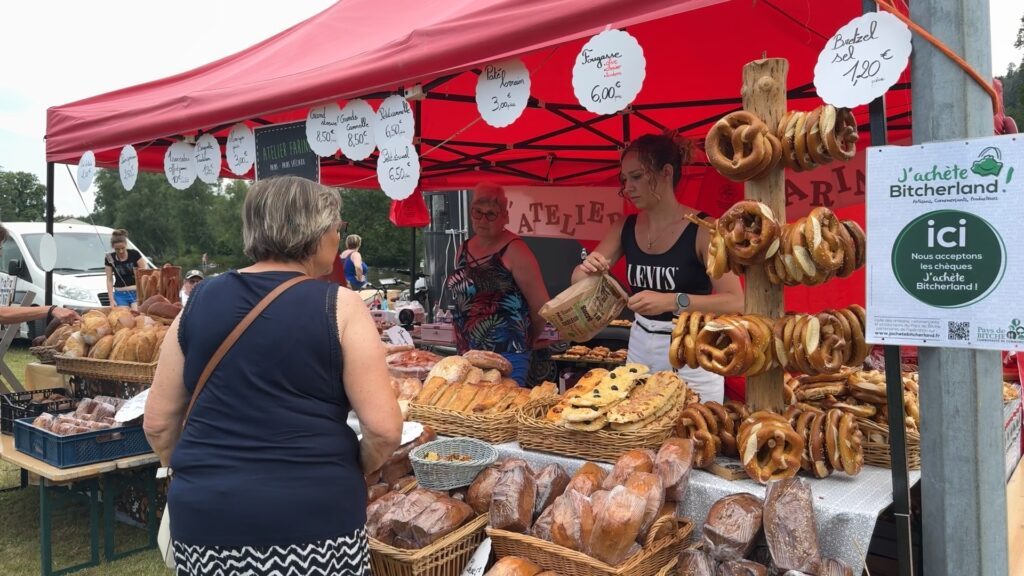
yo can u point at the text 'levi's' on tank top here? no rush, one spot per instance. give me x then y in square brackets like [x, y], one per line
[678, 269]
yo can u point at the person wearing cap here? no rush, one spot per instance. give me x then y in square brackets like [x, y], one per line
[192, 277]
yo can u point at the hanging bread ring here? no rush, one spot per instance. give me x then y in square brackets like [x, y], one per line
[801, 250]
[724, 347]
[860, 242]
[815, 145]
[770, 449]
[750, 231]
[788, 138]
[734, 145]
[839, 131]
[821, 234]
[849, 252]
[803, 158]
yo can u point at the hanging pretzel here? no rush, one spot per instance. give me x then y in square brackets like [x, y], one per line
[750, 231]
[737, 146]
[839, 131]
[724, 347]
[821, 236]
[770, 449]
[692, 424]
[851, 444]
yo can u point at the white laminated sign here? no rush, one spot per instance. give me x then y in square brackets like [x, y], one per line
[609, 72]
[502, 92]
[207, 157]
[862, 60]
[322, 129]
[180, 165]
[128, 166]
[355, 130]
[944, 266]
[240, 150]
[86, 171]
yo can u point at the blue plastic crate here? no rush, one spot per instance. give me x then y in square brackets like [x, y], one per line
[79, 449]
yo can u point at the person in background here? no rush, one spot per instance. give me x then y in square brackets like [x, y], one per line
[120, 266]
[355, 268]
[337, 273]
[18, 314]
[665, 256]
[497, 287]
[192, 278]
[267, 473]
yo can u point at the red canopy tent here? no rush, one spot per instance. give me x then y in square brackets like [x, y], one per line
[695, 50]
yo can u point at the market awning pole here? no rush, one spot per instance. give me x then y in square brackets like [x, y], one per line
[48, 296]
[963, 490]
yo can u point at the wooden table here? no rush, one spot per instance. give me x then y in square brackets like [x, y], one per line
[84, 483]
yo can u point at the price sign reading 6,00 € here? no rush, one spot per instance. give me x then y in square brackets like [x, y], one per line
[609, 72]
[862, 60]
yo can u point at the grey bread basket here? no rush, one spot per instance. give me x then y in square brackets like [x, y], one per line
[445, 475]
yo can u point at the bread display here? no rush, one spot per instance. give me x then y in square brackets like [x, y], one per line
[110, 335]
[415, 520]
[790, 527]
[673, 464]
[732, 527]
[625, 399]
[90, 415]
[742, 147]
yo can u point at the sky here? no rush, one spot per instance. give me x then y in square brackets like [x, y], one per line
[97, 47]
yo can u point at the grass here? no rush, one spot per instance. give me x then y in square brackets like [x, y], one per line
[19, 523]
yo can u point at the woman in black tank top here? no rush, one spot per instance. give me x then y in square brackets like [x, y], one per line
[664, 253]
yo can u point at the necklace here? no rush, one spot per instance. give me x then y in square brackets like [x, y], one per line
[650, 227]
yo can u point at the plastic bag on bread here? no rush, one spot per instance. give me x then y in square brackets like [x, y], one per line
[694, 562]
[551, 482]
[790, 527]
[616, 525]
[439, 519]
[376, 510]
[673, 464]
[401, 512]
[732, 526]
[572, 521]
[542, 525]
[834, 567]
[480, 491]
[742, 568]
[638, 460]
[512, 500]
[649, 487]
[588, 479]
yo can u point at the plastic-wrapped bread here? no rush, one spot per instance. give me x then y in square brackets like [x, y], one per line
[512, 500]
[789, 526]
[572, 521]
[403, 511]
[588, 479]
[673, 464]
[440, 518]
[377, 509]
[542, 525]
[616, 526]
[551, 482]
[639, 460]
[732, 526]
[742, 568]
[373, 493]
[402, 483]
[833, 567]
[696, 563]
[44, 421]
[479, 496]
[513, 566]
[649, 487]
[509, 463]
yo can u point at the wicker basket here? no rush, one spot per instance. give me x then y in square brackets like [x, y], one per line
[116, 370]
[446, 557]
[45, 354]
[493, 428]
[666, 539]
[670, 568]
[535, 433]
[876, 451]
[445, 475]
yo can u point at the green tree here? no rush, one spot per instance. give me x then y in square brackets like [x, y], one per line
[384, 244]
[22, 197]
[1013, 84]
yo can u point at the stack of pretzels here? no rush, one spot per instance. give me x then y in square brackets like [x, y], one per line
[683, 350]
[816, 248]
[713, 428]
[821, 343]
[832, 440]
[746, 235]
[742, 147]
[736, 345]
[862, 394]
[815, 138]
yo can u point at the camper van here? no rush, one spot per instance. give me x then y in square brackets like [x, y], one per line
[79, 280]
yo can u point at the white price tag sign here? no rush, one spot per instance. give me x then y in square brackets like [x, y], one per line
[180, 165]
[862, 60]
[207, 155]
[502, 92]
[128, 167]
[478, 563]
[322, 129]
[399, 336]
[355, 130]
[240, 149]
[609, 72]
[395, 123]
[398, 169]
[86, 170]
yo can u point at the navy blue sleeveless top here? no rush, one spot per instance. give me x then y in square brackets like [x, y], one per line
[678, 269]
[266, 458]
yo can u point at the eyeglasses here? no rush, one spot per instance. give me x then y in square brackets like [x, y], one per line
[480, 214]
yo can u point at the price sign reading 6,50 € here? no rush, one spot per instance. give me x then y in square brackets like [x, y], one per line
[862, 60]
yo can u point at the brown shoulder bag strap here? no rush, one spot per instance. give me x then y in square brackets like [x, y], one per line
[235, 334]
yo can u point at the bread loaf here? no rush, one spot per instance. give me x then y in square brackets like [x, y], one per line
[44, 421]
[431, 391]
[649, 487]
[376, 491]
[120, 318]
[452, 369]
[144, 346]
[572, 521]
[377, 509]
[489, 361]
[101, 350]
[790, 527]
[513, 566]
[742, 568]
[588, 479]
[59, 336]
[512, 500]
[464, 397]
[551, 482]
[510, 463]
[732, 526]
[402, 483]
[479, 496]
[153, 299]
[165, 310]
[542, 525]
[696, 563]
[94, 327]
[639, 460]
[439, 519]
[673, 464]
[491, 377]
[402, 512]
[616, 526]
[75, 346]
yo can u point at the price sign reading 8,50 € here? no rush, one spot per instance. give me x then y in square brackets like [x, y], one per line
[862, 60]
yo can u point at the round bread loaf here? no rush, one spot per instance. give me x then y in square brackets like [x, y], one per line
[489, 361]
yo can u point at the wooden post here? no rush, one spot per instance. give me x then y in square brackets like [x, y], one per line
[764, 94]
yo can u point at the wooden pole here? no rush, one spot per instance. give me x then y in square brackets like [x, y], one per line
[764, 94]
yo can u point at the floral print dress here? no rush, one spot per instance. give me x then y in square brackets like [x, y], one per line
[491, 312]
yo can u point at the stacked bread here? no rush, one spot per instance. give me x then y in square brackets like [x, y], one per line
[118, 334]
[625, 399]
[477, 383]
[832, 440]
[416, 519]
[92, 414]
[165, 281]
[597, 354]
[159, 306]
[861, 393]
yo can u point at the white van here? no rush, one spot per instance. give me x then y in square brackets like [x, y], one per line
[79, 279]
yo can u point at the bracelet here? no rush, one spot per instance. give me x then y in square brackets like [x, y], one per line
[49, 314]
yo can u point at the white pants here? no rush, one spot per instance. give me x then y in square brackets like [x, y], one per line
[650, 347]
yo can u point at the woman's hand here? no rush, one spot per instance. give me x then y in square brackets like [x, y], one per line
[650, 303]
[595, 263]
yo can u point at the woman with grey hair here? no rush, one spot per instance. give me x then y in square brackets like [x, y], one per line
[497, 287]
[267, 474]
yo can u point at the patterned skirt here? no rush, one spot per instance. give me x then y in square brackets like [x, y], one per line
[344, 556]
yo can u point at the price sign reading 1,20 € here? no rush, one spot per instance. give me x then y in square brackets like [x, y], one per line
[609, 72]
[862, 60]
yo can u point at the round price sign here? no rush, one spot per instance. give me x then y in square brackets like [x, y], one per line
[395, 123]
[207, 156]
[502, 91]
[609, 72]
[240, 149]
[862, 60]
[355, 130]
[321, 129]
[180, 165]
[398, 169]
[128, 167]
[86, 171]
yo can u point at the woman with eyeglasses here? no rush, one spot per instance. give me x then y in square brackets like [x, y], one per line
[665, 256]
[497, 287]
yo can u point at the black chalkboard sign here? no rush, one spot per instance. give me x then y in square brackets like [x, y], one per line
[283, 149]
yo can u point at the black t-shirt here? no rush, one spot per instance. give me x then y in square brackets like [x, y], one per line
[124, 271]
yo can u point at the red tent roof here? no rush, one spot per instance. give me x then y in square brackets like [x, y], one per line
[371, 48]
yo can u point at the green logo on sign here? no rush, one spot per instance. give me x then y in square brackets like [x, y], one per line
[1016, 331]
[989, 162]
[949, 258]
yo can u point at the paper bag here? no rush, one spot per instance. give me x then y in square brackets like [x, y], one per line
[583, 309]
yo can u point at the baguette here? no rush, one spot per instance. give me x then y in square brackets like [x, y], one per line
[431, 391]
[447, 395]
[464, 397]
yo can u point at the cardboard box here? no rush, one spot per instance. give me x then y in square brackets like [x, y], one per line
[438, 333]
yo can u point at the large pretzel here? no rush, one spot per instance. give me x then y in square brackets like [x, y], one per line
[851, 444]
[821, 234]
[738, 147]
[750, 231]
[726, 427]
[770, 449]
[839, 131]
[832, 350]
[724, 347]
[692, 424]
